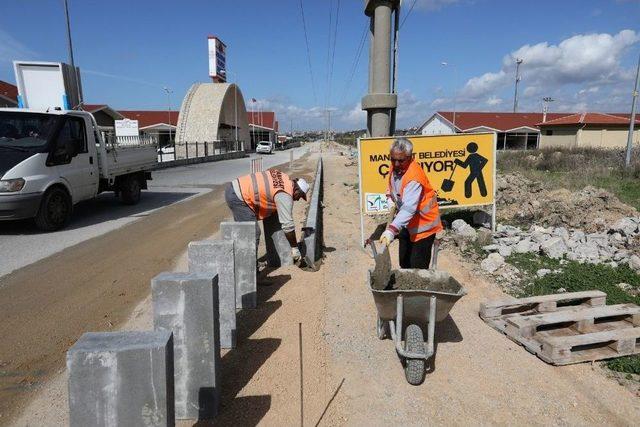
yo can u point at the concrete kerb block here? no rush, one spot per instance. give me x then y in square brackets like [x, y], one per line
[187, 304]
[217, 257]
[278, 247]
[243, 235]
[121, 379]
[312, 237]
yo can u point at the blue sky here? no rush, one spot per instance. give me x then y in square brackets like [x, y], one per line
[581, 53]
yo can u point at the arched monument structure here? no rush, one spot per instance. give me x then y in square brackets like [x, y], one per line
[213, 115]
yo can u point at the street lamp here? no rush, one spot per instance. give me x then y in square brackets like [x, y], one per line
[169, 92]
[546, 100]
[515, 96]
[455, 81]
[235, 104]
[632, 119]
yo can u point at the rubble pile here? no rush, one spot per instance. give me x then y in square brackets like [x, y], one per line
[521, 200]
[619, 245]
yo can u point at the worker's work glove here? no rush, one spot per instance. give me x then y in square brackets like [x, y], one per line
[387, 237]
[295, 254]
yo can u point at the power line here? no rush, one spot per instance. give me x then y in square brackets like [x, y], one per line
[408, 13]
[356, 62]
[306, 39]
[333, 55]
[329, 32]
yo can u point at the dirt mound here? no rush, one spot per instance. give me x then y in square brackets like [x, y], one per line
[524, 201]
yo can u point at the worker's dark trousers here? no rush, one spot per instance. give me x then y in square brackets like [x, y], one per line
[469, 182]
[414, 254]
[240, 210]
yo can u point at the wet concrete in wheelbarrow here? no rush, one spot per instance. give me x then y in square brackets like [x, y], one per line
[383, 278]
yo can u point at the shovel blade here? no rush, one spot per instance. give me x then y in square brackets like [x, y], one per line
[447, 185]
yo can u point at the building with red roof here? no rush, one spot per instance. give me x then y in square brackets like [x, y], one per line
[513, 130]
[528, 130]
[8, 95]
[589, 130]
[263, 126]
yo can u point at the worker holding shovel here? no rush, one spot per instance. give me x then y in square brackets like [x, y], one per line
[475, 163]
[418, 218]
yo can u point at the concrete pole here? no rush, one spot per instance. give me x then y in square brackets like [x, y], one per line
[632, 122]
[380, 102]
[70, 48]
[515, 95]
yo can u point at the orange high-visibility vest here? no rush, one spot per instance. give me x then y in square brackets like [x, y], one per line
[259, 189]
[426, 219]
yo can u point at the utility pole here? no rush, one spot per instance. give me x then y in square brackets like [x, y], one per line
[380, 103]
[632, 121]
[166, 89]
[515, 96]
[70, 48]
[545, 108]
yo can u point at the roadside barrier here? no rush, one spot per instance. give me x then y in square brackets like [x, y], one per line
[187, 305]
[203, 159]
[311, 244]
[121, 378]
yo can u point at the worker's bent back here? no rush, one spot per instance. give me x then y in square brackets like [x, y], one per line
[259, 189]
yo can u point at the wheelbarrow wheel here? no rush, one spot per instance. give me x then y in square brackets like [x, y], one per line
[414, 369]
[383, 329]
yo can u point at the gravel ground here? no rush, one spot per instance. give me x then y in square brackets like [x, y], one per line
[477, 377]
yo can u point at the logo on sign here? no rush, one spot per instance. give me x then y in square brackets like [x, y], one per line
[377, 202]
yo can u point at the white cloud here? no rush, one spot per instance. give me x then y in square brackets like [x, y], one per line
[494, 100]
[430, 5]
[356, 117]
[484, 84]
[12, 49]
[592, 62]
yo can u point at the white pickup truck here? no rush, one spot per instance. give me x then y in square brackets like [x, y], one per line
[49, 161]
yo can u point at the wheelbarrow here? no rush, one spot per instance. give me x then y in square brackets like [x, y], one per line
[418, 309]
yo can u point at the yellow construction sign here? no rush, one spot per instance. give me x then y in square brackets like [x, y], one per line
[461, 168]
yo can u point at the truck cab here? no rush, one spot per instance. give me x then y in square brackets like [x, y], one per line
[49, 161]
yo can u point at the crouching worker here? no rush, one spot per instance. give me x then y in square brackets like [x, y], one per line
[257, 196]
[417, 218]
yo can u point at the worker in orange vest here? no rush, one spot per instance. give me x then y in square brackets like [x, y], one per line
[417, 218]
[257, 196]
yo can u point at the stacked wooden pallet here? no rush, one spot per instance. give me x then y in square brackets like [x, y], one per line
[567, 328]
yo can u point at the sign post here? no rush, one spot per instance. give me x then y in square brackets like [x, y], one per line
[461, 168]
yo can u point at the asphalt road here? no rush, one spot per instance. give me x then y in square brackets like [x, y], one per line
[21, 244]
[95, 285]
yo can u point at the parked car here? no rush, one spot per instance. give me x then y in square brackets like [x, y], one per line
[264, 147]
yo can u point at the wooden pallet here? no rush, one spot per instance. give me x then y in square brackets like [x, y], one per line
[567, 328]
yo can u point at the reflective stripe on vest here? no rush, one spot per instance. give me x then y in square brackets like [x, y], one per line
[426, 217]
[425, 227]
[259, 189]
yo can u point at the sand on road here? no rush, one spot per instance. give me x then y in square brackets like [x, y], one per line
[478, 376]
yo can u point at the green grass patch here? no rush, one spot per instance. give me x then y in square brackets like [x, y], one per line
[576, 277]
[627, 189]
[556, 168]
[627, 364]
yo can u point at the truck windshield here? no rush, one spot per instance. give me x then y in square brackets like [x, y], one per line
[25, 131]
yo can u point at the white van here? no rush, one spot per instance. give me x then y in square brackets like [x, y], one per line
[49, 161]
[264, 147]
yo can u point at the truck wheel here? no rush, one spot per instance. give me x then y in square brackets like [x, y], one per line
[414, 368]
[130, 190]
[55, 210]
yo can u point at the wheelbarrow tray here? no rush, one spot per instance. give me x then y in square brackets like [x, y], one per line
[438, 283]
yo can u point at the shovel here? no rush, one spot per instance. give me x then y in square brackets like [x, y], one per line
[447, 184]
